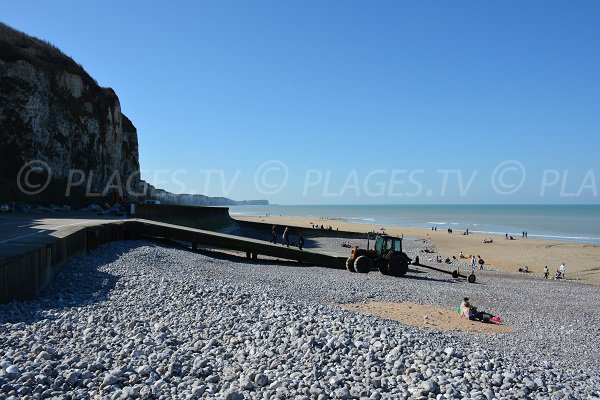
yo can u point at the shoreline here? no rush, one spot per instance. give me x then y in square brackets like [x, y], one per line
[584, 240]
[581, 259]
[571, 223]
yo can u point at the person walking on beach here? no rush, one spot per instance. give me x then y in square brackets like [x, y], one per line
[562, 270]
[473, 261]
[286, 237]
[546, 272]
[300, 241]
[273, 236]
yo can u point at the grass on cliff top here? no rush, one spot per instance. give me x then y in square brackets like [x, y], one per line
[16, 45]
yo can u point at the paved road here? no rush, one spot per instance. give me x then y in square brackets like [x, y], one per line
[18, 226]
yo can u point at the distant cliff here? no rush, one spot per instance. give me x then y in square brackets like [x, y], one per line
[53, 111]
[195, 199]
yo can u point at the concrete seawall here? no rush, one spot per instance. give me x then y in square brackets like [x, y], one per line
[210, 218]
[28, 264]
[264, 227]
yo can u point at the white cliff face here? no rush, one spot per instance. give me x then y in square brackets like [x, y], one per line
[71, 83]
[67, 121]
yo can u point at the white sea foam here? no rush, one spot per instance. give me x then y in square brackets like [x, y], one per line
[553, 237]
[359, 219]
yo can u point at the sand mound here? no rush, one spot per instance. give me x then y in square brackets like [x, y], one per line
[425, 316]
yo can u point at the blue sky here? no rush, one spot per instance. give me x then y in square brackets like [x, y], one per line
[345, 101]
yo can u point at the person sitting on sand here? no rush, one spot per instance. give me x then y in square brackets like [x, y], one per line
[476, 315]
[461, 255]
[465, 310]
[447, 260]
[463, 303]
[471, 312]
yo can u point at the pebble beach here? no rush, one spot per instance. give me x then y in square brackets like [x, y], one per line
[135, 319]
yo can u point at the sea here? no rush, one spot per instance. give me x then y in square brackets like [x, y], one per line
[579, 223]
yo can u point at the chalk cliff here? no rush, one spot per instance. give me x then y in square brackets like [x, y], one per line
[63, 138]
[51, 110]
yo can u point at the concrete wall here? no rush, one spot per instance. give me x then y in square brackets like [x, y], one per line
[29, 264]
[209, 218]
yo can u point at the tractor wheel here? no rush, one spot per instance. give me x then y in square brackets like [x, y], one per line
[383, 268]
[350, 264]
[455, 274]
[362, 264]
[471, 278]
[397, 266]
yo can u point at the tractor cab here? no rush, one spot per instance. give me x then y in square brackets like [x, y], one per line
[384, 243]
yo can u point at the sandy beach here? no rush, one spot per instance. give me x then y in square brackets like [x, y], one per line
[425, 316]
[582, 260]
